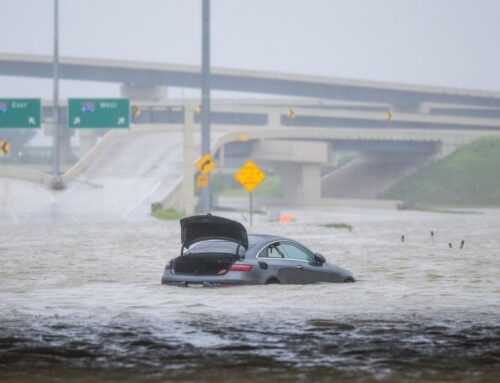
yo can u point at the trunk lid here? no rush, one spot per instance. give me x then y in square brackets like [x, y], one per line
[204, 227]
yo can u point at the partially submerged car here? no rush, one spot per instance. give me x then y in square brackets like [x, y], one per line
[217, 251]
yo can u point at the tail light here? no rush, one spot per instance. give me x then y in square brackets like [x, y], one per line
[240, 267]
[167, 266]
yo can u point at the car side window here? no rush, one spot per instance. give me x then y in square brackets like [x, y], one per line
[273, 251]
[276, 251]
[297, 252]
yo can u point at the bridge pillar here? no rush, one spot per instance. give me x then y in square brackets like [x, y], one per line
[299, 165]
[151, 93]
[88, 138]
[188, 198]
[310, 184]
[274, 119]
[301, 182]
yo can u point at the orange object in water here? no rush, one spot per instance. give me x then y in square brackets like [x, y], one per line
[286, 218]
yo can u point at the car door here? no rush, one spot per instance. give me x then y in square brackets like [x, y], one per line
[304, 268]
[275, 261]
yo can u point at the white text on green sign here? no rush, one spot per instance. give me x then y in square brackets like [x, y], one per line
[98, 113]
[20, 113]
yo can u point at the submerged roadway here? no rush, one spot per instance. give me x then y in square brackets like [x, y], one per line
[118, 184]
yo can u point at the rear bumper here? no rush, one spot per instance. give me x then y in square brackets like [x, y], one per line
[230, 278]
[203, 284]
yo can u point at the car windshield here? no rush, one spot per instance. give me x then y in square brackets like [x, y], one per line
[214, 246]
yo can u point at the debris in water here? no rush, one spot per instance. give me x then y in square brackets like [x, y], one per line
[286, 218]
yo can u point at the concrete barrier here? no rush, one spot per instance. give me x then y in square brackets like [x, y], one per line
[26, 174]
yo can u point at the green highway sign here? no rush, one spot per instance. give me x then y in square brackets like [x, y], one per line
[98, 113]
[20, 113]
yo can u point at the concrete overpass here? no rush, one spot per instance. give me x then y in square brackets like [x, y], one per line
[331, 114]
[143, 76]
[298, 154]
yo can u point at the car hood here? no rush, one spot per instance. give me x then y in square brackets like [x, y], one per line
[202, 227]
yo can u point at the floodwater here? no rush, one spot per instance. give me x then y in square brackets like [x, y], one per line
[81, 302]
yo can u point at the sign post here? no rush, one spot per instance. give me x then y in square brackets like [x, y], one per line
[250, 176]
[55, 102]
[20, 113]
[205, 96]
[251, 207]
[99, 113]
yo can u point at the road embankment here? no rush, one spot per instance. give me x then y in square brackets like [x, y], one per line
[469, 177]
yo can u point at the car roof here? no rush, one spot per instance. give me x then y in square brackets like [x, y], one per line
[254, 239]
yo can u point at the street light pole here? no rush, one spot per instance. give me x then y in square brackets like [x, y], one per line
[205, 97]
[55, 102]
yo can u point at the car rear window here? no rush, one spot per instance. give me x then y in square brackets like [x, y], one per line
[214, 246]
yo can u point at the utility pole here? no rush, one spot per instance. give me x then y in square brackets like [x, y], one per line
[205, 97]
[55, 101]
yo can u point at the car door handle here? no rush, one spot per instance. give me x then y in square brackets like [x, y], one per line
[300, 267]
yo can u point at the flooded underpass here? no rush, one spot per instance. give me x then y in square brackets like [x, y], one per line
[81, 302]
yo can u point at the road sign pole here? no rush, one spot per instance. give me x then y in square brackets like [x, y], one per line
[188, 187]
[55, 107]
[205, 96]
[251, 208]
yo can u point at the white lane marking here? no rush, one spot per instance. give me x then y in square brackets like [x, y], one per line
[134, 206]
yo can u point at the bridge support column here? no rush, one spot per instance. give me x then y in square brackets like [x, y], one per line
[88, 138]
[310, 184]
[188, 199]
[274, 119]
[301, 182]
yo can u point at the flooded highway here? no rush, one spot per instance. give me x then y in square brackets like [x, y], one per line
[83, 302]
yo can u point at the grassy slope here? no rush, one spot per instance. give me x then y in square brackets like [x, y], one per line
[468, 177]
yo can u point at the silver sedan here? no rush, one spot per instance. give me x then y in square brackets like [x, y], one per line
[216, 251]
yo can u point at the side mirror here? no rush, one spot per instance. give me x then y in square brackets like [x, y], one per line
[319, 258]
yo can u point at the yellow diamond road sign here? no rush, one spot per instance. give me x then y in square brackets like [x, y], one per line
[202, 181]
[205, 163]
[4, 147]
[250, 176]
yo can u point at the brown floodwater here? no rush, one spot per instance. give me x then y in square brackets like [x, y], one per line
[83, 302]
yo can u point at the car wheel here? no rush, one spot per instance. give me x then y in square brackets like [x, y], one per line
[348, 280]
[272, 281]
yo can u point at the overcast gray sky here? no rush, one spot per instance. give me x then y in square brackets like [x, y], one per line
[452, 43]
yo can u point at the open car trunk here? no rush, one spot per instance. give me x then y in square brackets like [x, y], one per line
[204, 227]
[204, 263]
[212, 245]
